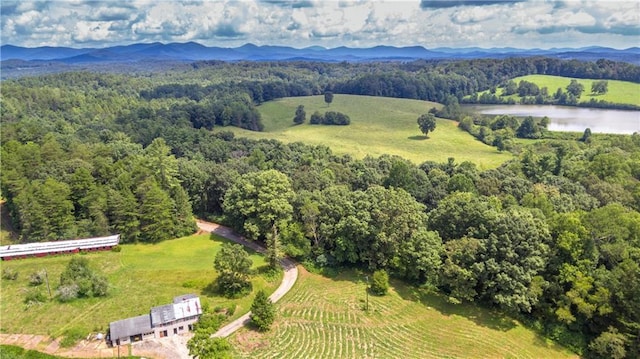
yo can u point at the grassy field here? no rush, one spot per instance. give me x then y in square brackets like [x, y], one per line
[619, 91]
[141, 276]
[379, 125]
[324, 318]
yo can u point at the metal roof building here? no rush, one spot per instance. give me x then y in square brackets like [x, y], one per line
[162, 321]
[39, 249]
[130, 327]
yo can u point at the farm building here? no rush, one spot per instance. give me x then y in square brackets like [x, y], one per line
[41, 249]
[165, 320]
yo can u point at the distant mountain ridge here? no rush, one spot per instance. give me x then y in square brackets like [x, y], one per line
[192, 51]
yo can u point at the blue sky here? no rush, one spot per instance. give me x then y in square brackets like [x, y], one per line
[302, 23]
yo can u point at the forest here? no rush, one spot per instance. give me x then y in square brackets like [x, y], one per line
[551, 237]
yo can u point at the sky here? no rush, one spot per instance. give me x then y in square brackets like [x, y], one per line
[328, 23]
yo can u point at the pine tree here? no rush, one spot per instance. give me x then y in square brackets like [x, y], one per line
[263, 311]
[156, 222]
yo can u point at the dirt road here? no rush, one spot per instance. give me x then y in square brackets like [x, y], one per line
[288, 280]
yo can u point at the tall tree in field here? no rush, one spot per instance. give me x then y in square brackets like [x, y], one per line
[328, 97]
[234, 265]
[427, 123]
[600, 87]
[575, 88]
[301, 115]
[260, 204]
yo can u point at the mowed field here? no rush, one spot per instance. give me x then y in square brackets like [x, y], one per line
[140, 276]
[325, 318]
[622, 92]
[379, 125]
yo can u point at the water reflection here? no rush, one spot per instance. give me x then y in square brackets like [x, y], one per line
[573, 119]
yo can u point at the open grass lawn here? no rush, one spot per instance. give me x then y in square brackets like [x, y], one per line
[324, 318]
[622, 92]
[140, 276]
[379, 125]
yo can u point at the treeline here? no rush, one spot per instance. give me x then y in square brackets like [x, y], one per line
[552, 237]
[431, 81]
[60, 191]
[531, 94]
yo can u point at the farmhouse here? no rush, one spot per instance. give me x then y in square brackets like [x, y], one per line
[41, 249]
[162, 321]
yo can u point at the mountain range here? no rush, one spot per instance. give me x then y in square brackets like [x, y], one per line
[192, 51]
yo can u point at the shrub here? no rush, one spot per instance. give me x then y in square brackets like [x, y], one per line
[37, 278]
[78, 280]
[380, 282]
[68, 292]
[9, 274]
[210, 322]
[34, 296]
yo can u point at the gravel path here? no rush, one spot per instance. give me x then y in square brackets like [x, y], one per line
[288, 280]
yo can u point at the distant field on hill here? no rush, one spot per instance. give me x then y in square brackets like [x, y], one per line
[622, 92]
[379, 125]
[324, 318]
[140, 276]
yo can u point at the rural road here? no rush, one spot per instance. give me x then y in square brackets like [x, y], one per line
[288, 280]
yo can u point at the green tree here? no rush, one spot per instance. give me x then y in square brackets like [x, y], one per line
[263, 311]
[609, 344]
[300, 116]
[122, 210]
[328, 97]
[586, 135]
[156, 212]
[316, 118]
[528, 129]
[234, 266]
[599, 87]
[575, 88]
[203, 346]
[427, 123]
[260, 203]
[380, 282]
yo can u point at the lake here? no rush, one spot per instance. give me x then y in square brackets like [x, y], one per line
[572, 119]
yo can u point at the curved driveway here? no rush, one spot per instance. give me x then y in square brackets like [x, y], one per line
[288, 280]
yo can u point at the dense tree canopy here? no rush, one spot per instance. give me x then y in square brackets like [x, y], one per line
[552, 235]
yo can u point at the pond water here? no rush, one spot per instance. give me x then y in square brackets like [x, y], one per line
[572, 119]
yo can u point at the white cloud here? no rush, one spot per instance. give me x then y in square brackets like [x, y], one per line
[328, 23]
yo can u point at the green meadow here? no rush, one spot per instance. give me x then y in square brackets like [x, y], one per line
[326, 318]
[621, 92]
[379, 125]
[140, 276]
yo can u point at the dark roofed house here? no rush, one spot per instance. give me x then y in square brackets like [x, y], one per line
[130, 330]
[162, 321]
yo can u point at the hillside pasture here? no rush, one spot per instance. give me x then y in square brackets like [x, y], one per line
[379, 125]
[140, 276]
[325, 318]
[620, 92]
